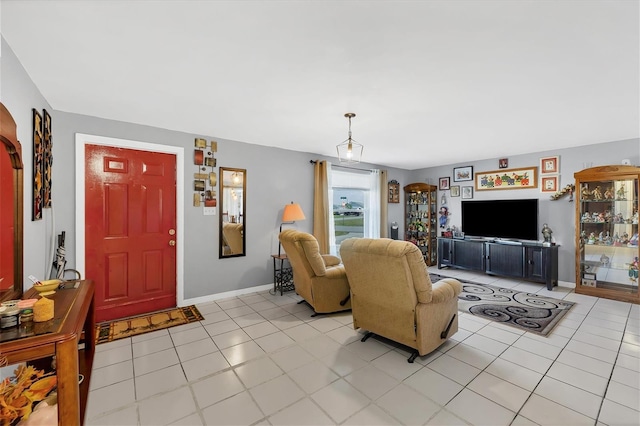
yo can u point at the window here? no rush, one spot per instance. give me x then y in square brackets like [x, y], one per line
[355, 203]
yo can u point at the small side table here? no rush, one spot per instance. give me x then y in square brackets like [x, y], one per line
[282, 274]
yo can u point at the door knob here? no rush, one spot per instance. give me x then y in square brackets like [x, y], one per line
[172, 243]
[172, 231]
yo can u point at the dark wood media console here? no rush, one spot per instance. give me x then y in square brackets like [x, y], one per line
[528, 261]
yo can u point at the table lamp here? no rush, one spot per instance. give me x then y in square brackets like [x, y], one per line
[291, 213]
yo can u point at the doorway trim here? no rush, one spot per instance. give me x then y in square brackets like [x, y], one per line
[83, 139]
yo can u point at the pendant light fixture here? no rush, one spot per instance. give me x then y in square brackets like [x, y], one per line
[349, 151]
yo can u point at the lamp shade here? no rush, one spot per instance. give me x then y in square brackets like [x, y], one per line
[292, 212]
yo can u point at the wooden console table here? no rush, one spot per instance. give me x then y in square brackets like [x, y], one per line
[69, 336]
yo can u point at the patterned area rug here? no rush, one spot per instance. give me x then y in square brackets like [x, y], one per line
[526, 311]
[127, 327]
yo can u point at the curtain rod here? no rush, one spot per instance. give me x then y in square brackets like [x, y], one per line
[344, 167]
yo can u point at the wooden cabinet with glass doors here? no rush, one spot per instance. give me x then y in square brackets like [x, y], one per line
[607, 232]
[420, 219]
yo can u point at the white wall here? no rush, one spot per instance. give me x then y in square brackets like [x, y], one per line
[20, 95]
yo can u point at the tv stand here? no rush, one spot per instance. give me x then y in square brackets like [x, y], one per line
[512, 242]
[518, 259]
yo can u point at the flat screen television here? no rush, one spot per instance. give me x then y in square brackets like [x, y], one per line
[507, 219]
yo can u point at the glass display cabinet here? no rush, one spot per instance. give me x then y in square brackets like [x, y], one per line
[420, 219]
[607, 232]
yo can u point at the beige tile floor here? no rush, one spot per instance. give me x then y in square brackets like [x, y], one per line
[261, 359]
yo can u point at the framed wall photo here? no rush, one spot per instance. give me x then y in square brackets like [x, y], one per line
[550, 165]
[503, 163]
[526, 177]
[394, 191]
[467, 192]
[455, 191]
[462, 174]
[444, 183]
[549, 183]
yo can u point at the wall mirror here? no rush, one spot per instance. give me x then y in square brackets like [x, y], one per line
[11, 214]
[233, 198]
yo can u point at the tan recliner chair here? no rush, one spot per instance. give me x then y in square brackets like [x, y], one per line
[232, 237]
[319, 278]
[392, 295]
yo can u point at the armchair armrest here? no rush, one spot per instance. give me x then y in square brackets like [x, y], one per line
[330, 260]
[446, 289]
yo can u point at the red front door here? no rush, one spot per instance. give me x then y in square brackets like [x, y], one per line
[130, 224]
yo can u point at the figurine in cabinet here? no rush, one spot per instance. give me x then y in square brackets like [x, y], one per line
[624, 240]
[597, 194]
[633, 270]
[621, 193]
[592, 238]
[608, 194]
[585, 193]
[634, 240]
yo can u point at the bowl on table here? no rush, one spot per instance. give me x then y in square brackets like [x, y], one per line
[47, 287]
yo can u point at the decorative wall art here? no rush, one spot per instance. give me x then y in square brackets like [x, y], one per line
[549, 174]
[550, 165]
[198, 157]
[549, 183]
[38, 159]
[455, 191]
[568, 189]
[462, 174]
[47, 162]
[503, 163]
[467, 192]
[444, 183]
[507, 179]
[205, 179]
[394, 191]
[210, 198]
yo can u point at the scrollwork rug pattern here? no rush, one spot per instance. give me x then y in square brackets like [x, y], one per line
[526, 311]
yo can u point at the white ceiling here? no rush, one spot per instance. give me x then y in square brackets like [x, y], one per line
[431, 82]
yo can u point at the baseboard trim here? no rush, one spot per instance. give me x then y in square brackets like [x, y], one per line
[226, 295]
[568, 284]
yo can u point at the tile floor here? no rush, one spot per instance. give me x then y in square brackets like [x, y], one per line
[260, 359]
